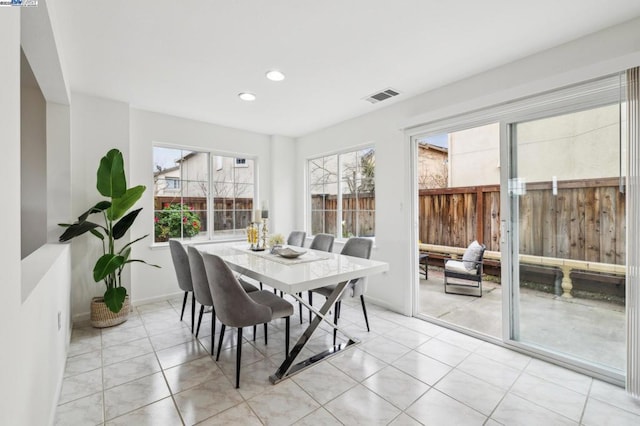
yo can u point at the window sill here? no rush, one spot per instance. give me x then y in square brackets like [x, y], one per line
[155, 246]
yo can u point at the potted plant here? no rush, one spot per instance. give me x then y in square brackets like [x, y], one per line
[111, 183]
[275, 242]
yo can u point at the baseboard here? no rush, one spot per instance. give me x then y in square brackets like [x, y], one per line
[86, 316]
[155, 299]
[384, 304]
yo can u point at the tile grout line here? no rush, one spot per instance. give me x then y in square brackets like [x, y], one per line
[586, 402]
[490, 416]
[155, 353]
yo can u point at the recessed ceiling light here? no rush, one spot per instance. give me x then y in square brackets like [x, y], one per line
[275, 75]
[246, 96]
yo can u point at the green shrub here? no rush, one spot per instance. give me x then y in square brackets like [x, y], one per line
[175, 221]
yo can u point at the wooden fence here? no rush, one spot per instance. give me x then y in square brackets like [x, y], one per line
[584, 221]
[223, 210]
[356, 211]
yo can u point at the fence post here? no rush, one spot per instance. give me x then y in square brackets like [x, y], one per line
[479, 215]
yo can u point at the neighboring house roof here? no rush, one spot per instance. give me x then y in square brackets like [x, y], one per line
[164, 171]
[426, 146]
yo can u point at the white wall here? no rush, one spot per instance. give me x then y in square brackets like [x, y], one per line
[593, 56]
[33, 351]
[97, 125]
[43, 352]
[11, 336]
[282, 186]
[58, 168]
[148, 128]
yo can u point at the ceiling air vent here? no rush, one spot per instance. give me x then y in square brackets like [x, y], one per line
[382, 95]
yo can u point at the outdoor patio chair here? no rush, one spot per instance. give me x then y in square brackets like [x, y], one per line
[423, 261]
[469, 269]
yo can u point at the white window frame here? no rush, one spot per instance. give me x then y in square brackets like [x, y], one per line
[594, 93]
[339, 209]
[216, 157]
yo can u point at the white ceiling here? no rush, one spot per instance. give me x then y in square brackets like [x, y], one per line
[192, 58]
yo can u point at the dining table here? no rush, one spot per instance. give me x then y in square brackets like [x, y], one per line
[311, 270]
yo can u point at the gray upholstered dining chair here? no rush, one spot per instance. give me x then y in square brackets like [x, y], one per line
[183, 273]
[322, 242]
[203, 293]
[356, 247]
[237, 308]
[296, 238]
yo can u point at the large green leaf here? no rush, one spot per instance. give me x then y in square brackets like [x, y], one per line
[97, 234]
[106, 265]
[111, 180]
[120, 228]
[100, 206]
[125, 253]
[77, 229]
[114, 298]
[120, 205]
[142, 261]
[132, 242]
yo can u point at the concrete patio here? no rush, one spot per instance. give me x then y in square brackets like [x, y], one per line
[592, 330]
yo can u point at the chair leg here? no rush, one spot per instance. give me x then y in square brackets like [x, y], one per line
[300, 307]
[254, 332]
[238, 357]
[310, 303]
[265, 333]
[199, 320]
[336, 315]
[220, 341]
[260, 285]
[364, 310]
[184, 303]
[193, 310]
[286, 337]
[213, 327]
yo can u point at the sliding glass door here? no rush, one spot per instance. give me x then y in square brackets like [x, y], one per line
[565, 191]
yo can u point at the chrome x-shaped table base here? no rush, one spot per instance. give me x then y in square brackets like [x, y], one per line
[288, 368]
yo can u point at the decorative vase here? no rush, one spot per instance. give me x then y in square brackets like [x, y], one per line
[102, 317]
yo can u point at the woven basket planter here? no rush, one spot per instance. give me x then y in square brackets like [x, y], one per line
[102, 317]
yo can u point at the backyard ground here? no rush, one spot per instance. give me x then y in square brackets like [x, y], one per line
[590, 329]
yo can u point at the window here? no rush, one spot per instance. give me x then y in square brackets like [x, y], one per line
[194, 199]
[342, 194]
[172, 183]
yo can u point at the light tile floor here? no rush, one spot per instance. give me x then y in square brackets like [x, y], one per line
[152, 371]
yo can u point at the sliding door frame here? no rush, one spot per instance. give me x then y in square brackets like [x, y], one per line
[582, 96]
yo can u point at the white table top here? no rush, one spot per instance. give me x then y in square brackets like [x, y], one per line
[330, 268]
